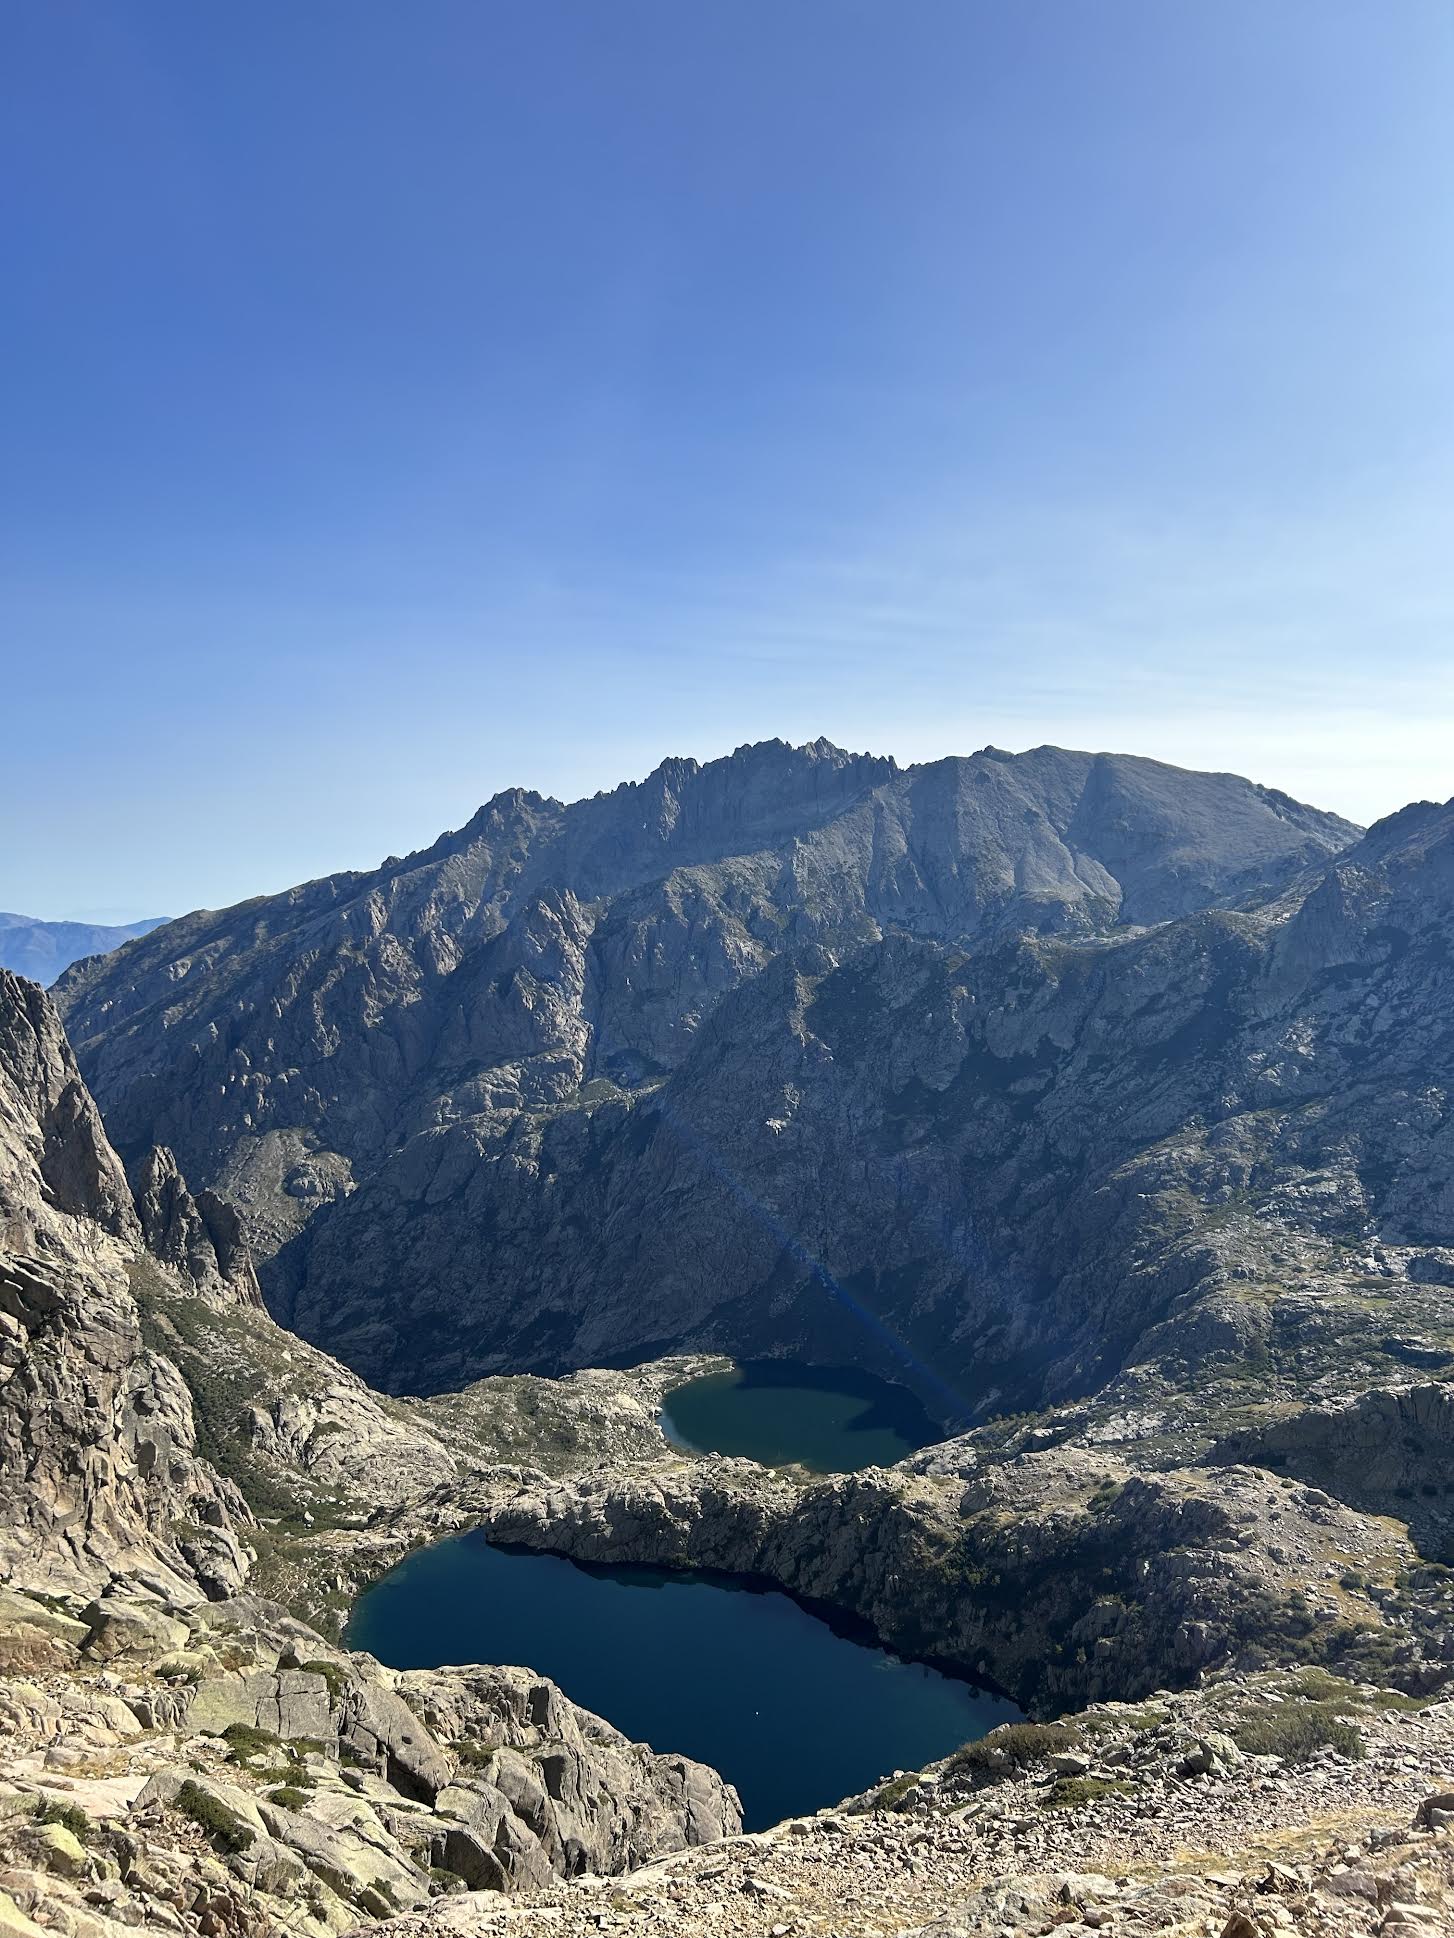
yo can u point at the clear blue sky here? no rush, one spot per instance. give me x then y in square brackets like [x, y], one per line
[405, 401]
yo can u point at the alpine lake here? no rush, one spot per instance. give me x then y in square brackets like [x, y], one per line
[796, 1711]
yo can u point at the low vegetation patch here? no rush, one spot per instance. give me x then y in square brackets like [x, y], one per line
[1021, 1744]
[332, 1674]
[1069, 1793]
[1297, 1729]
[289, 1797]
[1136, 1719]
[1317, 1685]
[69, 1816]
[890, 1795]
[214, 1816]
[243, 1740]
[473, 1755]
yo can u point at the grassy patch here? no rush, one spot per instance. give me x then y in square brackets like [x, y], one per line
[890, 1795]
[289, 1797]
[1297, 1729]
[1069, 1793]
[1021, 1743]
[69, 1816]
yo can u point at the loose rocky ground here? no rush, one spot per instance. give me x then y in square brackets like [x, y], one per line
[1124, 1821]
[220, 1768]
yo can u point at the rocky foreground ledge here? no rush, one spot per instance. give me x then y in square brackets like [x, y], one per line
[1122, 1821]
[218, 1768]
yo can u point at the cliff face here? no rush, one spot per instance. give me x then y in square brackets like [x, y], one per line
[330, 1788]
[62, 1188]
[1005, 1172]
[98, 1460]
[447, 1097]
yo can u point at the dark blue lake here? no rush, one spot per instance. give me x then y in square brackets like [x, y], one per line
[833, 1420]
[794, 1714]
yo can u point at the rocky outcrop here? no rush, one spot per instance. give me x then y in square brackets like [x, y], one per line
[1061, 1577]
[1149, 1820]
[201, 1237]
[441, 1077]
[329, 1789]
[62, 1187]
[99, 1469]
[1387, 1451]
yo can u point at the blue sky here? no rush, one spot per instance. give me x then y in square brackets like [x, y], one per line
[403, 402]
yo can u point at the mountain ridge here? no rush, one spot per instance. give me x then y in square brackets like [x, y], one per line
[41, 950]
[303, 1049]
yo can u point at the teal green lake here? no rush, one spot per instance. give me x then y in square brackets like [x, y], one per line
[833, 1420]
[793, 1713]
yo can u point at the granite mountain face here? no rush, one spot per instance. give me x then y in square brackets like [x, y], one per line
[980, 1061]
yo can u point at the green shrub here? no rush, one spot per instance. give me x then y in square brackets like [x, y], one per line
[1022, 1743]
[332, 1674]
[1296, 1730]
[892, 1794]
[444, 1882]
[1069, 1793]
[289, 1797]
[243, 1740]
[214, 1817]
[473, 1755]
[69, 1816]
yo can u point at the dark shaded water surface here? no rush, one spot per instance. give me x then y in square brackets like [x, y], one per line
[831, 1419]
[796, 1715]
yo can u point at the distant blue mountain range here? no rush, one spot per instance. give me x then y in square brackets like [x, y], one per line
[41, 950]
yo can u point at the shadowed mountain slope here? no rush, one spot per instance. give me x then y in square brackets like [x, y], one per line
[432, 1090]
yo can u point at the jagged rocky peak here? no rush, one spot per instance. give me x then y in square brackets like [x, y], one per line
[1397, 882]
[56, 1165]
[341, 1030]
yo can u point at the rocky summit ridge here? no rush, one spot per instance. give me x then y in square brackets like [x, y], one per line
[442, 1077]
